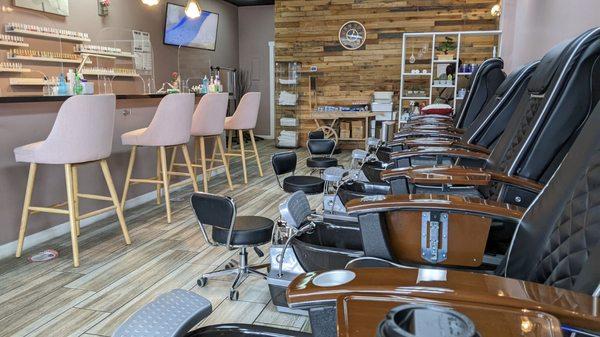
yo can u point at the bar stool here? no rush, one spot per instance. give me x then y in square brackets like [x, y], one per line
[208, 122]
[82, 134]
[170, 128]
[244, 119]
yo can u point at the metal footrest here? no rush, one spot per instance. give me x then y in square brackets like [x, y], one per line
[170, 315]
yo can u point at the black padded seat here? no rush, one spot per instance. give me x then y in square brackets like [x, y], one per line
[248, 231]
[321, 162]
[306, 184]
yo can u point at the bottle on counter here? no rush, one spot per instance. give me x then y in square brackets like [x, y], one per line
[218, 83]
[204, 89]
[77, 86]
[63, 88]
[71, 82]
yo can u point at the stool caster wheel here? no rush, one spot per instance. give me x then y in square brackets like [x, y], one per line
[234, 295]
[230, 265]
[202, 282]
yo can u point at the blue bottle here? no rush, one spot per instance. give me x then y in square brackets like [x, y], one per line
[63, 88]
[204, 85]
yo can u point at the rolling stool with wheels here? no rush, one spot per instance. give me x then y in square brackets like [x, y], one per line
[285, 163]
[233, 232]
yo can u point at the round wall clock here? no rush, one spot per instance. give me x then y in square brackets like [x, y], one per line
[352, 35]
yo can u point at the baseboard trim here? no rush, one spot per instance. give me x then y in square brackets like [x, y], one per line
[9, 249]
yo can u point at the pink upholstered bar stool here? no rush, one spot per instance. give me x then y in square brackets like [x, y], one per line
[244, 119]
[170, 128]
[208, 122]
[82, 134]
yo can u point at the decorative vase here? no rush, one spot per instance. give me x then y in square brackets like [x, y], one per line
[445, 57]
[102, 9]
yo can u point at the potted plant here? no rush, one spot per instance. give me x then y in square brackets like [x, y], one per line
[446, 49]
[103, 7]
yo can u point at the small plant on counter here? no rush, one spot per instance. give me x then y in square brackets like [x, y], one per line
[103, 7]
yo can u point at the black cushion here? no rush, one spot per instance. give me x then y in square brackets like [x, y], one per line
[306, 184]
[244, 330]
[321, 162]
[247, 230]
[284, 162]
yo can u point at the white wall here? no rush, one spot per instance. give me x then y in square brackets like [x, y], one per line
[532, 27]
[256, 27]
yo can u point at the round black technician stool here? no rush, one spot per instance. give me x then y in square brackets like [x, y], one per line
[285, 163]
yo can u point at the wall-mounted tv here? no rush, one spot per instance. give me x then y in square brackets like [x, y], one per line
[198, 33]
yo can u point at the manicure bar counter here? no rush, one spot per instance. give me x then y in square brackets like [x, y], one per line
[27, 119]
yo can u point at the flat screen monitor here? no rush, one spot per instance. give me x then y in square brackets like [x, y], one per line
[198, 33]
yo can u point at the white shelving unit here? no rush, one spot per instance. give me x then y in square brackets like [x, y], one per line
[434, 62]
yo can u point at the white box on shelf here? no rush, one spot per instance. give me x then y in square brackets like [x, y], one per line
[385, 116]
[381, 107]
[383, 95]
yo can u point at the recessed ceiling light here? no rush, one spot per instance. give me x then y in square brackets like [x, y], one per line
[150, 2]
[496, 10]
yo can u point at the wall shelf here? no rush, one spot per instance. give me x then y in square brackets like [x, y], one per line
[97, 73]
[26, 81]
[105, 54]
[46, 35]
[14, 44]
[15, 70]
[435, 64]
[45, 59]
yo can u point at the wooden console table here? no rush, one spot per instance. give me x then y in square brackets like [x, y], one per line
[330, 119]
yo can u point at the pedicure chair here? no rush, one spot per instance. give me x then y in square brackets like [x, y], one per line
[329, 246]
[548, 284]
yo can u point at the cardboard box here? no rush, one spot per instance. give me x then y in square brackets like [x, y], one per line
[357, 124]
[344, 133]
[344, 126]
[358, 132]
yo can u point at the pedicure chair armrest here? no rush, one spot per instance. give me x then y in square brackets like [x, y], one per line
[432, 116]
[436, 202]
[439, 142]
[433, 127]
[446, 287]
[427, 133]
[458, 175]
[439, 152]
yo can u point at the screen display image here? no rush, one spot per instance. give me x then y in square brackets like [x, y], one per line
[199, 33]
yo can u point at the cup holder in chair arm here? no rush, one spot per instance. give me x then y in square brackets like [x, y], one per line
[334, 278]
[170, 315]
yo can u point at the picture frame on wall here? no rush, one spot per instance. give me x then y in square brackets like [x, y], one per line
[199, 33]
[58, 7]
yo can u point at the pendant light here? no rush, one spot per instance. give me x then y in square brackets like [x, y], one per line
[193, 10]
[150, 2]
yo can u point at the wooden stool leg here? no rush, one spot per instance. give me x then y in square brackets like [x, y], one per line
[225, 163]
[172, 163]
[115, 199]
[203, 160]
[212, 157]
[76, 198]
[26, 203]
[230, 143]
[165, 178]
[128, 175]
[196, 151]
[188, 163]
[71, 206]
[158, 174]
[243, 149]
[260, 171]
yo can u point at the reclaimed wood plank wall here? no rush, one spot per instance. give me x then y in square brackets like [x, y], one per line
[307, 31]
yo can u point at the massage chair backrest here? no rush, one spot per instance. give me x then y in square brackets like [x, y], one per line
[482, 85]
[560, 95]
[491, 122]
[284, 162]
[558, 240]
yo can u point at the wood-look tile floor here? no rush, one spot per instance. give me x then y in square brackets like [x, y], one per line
[114, 280]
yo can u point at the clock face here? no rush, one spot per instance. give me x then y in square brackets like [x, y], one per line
[352, 35]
